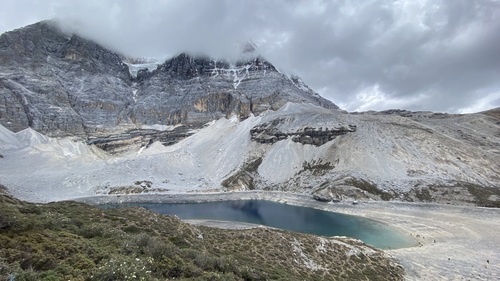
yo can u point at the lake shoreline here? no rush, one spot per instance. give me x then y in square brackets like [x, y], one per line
[455, 241]
[290, 217]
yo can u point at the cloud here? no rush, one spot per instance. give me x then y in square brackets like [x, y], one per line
[372, 54]
[484, 101]
[372, 98]
[18, 13]
[157, 28]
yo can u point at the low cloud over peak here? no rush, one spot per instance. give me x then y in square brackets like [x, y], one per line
[363, 55]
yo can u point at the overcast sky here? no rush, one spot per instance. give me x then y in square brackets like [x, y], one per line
[363, 55]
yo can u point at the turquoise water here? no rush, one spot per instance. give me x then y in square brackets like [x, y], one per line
[288, 217]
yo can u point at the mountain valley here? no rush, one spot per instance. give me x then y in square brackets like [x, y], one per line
[81, 122]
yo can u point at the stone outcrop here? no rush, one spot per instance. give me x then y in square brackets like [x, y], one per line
[270, 133]
[62, 84]
[118, 143]
[244, 178]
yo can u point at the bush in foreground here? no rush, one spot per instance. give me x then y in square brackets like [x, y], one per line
[68, 240]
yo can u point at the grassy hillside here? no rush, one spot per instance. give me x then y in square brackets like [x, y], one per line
[74, 241]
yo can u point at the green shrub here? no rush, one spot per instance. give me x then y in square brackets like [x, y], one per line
[91, 230]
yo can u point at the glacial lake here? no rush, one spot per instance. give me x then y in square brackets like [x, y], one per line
[283, 216]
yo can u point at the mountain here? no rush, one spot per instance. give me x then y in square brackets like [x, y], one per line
[61, 85]
[72, 112]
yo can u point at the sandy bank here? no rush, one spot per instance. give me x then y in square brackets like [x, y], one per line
[457, 242]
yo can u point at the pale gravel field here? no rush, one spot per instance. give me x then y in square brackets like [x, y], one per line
[457, 242]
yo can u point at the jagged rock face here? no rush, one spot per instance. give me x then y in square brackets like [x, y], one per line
[62, 84]
[195, 90]
[59, 84]
[140, 138]
[269, 133]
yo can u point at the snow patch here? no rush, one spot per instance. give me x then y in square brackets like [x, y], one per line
[135, 68]
[134, 95]
[237, 74]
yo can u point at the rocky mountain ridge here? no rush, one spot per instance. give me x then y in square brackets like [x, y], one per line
[62, 85]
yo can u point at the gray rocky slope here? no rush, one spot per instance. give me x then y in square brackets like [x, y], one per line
[266, 131]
